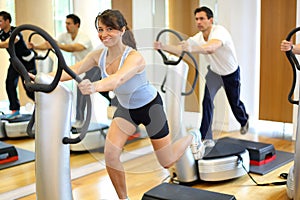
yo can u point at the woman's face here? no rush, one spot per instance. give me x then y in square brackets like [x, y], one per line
[108, 36]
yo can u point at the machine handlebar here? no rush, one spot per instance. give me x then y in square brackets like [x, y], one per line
[295, 65]
[171, 62]
[32, 86]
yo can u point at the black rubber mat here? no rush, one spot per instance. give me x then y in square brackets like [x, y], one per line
[24, 156]
[166, 191]
[281, 159]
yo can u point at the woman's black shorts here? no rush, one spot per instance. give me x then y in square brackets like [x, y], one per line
[151, 115]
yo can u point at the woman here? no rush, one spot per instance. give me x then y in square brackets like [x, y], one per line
[123, 71]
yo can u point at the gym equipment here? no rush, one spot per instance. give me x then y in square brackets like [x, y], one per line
[52, 130]
[216, 164]
[282, 158]
[293, 182]
[8, 153]
[180, 192]
[222, 162]
[96, 133]
[17, 127]
[24, 156]
[228, 159]
[260, 153]
[94, 139]
[2, 130]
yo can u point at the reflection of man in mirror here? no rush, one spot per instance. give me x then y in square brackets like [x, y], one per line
[216, 44]
[25, 55]
[79, 44]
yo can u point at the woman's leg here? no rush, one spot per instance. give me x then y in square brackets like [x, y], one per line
[117, 135]
[167, 152]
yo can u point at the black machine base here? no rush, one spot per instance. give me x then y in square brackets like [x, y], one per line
[260, 153]
[92, 127]
[8, 153]
[168, 191]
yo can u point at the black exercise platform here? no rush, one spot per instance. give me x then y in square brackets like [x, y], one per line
[20, 118]
[92, 127]
[260, 153]
[8, 153]
[166, 191]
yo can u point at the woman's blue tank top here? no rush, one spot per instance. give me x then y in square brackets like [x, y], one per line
[135, 92]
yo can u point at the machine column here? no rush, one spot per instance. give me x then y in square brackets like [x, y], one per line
[52, 123]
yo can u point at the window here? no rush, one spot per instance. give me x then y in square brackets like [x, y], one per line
[9, 6]
[61, 9]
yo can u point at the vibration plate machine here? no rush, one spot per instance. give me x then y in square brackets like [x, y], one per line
[222, 162]
[293, 180]
[52, 123]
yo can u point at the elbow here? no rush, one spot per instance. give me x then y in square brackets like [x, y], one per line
[210, 51]
[117, 82]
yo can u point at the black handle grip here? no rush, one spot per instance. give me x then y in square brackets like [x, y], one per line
[171, 62]
[37, 57]
[295, 65]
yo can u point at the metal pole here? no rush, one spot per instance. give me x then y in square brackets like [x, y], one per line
[52, 124]
[185, 168]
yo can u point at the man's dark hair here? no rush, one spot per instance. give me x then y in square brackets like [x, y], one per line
[75, 18]
[6, 16]
[208, 11]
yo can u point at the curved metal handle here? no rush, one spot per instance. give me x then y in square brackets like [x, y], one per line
[85, 126]
[37, 57]
[32, 86]
[171, 62]
[165, 59]
[295, 64]
[18, 65]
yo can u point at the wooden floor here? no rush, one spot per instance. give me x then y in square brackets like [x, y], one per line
[144, 173]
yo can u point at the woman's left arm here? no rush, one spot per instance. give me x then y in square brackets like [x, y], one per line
[133, 64]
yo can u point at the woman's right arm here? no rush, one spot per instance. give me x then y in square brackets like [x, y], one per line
[90, 61]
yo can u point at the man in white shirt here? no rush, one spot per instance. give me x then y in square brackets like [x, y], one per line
[215, 43]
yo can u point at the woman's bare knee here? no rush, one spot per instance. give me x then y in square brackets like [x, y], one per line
[167, 166]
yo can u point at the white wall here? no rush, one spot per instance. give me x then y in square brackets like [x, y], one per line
[243, 22]
[147, 22]
[87, 13]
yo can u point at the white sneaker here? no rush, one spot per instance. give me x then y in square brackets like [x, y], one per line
[209, 143]
[244, 129]
[197, 147]
[78, 124]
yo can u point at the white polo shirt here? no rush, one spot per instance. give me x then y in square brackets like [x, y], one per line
[224, 60]
[81, 38]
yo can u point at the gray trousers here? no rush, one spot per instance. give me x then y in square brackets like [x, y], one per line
[232, 85]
